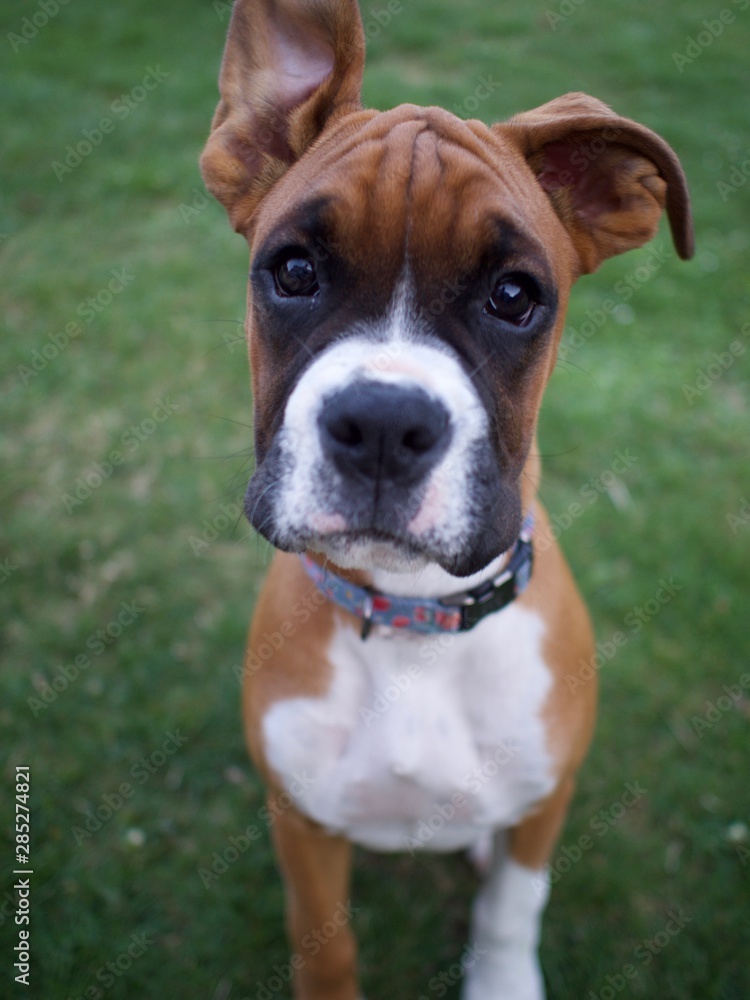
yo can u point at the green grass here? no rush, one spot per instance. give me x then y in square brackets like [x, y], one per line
[168, 335]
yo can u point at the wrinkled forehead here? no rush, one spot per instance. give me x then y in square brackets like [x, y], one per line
[416, 186]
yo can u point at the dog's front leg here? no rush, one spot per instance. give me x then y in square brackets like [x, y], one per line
[502, 962]
[316, 867]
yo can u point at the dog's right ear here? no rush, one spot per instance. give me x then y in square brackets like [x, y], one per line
[289, 67]
[608, 177]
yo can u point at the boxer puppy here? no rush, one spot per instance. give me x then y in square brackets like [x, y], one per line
[409, 277]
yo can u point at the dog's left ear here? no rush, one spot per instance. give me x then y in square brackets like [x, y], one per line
[289, 67]
[607, 177]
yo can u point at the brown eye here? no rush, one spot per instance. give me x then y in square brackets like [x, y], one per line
[513, 300]
[296, 276]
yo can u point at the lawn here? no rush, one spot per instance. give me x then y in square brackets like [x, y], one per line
[127, 575]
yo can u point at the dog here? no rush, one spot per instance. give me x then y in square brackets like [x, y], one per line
[409, 277]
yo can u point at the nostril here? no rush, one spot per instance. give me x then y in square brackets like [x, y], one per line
[346, 431]
[419, 439]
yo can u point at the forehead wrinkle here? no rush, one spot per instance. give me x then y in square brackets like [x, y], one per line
[387, 146]
[373, 214]
[427, 165]
[481, 209]
[355, 135]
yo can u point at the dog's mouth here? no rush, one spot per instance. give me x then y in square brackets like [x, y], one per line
[372, 549]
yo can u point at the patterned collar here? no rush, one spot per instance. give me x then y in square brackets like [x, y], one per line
[454, 613]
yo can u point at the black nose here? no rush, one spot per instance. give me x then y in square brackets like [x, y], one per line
[383, 431]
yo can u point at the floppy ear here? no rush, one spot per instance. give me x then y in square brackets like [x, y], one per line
[289, 67]
[607, 177]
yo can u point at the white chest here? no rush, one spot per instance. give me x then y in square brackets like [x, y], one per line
[421, 742]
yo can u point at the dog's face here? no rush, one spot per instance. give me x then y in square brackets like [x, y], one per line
[408, 283]
[403, 311]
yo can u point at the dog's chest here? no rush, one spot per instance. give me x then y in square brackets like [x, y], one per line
[421, 742]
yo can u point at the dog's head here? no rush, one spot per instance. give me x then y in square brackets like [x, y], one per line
[409, 278]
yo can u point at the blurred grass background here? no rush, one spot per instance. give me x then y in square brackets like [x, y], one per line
[122, 579]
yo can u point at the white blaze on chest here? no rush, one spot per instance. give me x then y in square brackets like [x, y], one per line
[421, 741]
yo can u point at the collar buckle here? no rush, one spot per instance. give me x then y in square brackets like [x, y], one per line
[497, 593]
[491, 596]
[479, 594]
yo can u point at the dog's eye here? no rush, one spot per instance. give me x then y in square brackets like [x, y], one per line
[296, 276]
[513, 300]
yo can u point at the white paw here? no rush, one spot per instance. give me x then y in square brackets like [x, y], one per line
[504, 974]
